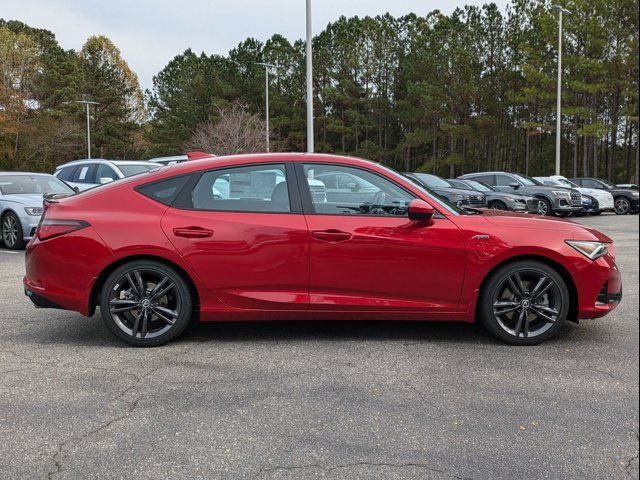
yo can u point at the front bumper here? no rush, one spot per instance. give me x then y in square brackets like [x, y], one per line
[599, 288]
[29, 225]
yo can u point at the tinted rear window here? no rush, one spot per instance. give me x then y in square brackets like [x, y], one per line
[164, 191]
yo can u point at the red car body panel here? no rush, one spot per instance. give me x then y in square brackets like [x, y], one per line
[265, 266]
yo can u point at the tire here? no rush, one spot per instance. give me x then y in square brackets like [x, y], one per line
[622, 206]
[544, 207]
[12, 235]
[124, 309]
[508, 325]
[497, 205]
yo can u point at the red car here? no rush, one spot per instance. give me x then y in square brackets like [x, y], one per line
[261, 237]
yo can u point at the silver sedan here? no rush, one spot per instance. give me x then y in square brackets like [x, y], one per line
[21, 204]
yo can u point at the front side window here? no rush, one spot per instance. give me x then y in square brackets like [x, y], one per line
[353, 191]
[259, 188]
[505, 181]
[66, 173]
[131, 170]
[106, 172]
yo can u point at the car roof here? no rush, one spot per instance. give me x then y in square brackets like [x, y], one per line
[25, 173]
[104, 161]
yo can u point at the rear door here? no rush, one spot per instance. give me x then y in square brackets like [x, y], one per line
[367, 255]
[242, 231]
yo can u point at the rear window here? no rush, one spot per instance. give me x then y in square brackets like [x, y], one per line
[164, 191]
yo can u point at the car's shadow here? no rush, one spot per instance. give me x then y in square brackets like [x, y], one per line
[80, 331]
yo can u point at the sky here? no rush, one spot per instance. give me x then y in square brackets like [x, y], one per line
[149, 33]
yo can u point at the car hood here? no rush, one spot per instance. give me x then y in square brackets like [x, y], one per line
[543, 189]
[595, 193]
[457, 191]
[25, 200]
[574, 230]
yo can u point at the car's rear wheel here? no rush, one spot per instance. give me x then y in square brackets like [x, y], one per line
[146, 303]
[497, 205]
[544, 207]
[621, 206]
[12, 235]
[524, 303]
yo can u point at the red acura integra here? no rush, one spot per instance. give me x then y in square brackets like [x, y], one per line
[307, 236]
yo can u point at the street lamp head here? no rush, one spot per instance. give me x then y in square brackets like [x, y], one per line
[87, 102]
[267, 65]
[561, 9]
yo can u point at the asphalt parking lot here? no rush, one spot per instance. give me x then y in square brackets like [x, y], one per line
[337, 400]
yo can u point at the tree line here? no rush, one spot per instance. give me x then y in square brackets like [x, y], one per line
[448, 94]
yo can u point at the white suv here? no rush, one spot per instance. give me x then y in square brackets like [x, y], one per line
[85, 174]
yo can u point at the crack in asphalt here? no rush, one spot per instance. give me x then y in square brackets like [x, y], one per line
[62, 453]
[265, 470]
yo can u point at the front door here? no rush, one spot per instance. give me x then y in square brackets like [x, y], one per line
[238, 230]
[367, 255]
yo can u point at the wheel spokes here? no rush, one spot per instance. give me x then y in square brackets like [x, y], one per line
[121, 306]
[503, 307]
[542, 312]
[164, 314]
[163, 292]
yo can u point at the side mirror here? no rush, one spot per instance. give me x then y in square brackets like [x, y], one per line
[514, 185]
[76, 189]
[420, 210]
[353, 186]
[104, 180]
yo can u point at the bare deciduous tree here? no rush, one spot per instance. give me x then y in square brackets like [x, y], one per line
[235, 131]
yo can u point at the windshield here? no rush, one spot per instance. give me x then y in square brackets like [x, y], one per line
[131, 170]
[432, 181]
[481, 187]
[32, 185]
[567, 183]
[528, 181]
[608, 184]
[444, 202]
[460, 184]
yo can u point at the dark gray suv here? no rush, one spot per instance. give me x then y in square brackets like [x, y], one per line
[557, 201]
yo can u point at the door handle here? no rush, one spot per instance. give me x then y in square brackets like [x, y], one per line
[192, 232]
[331, 235]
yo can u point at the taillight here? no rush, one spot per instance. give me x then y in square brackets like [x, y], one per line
[49, 228]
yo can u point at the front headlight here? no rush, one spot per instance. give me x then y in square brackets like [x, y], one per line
[561, 193]
[457, 196]
[635, 194]
[33, 211]
[590, 249]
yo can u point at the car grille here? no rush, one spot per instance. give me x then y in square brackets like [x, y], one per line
[318, 193]
[576, 198]
[478, 200]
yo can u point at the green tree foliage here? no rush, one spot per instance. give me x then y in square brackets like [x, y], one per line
[447, 94]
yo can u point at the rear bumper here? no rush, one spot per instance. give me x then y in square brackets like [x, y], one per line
[38, 300]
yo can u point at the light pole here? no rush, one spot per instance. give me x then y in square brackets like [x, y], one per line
[266, 66]
[561, 11]
[309, 82]
[87, 103]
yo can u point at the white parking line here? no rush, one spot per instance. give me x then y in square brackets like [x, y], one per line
[9, 252]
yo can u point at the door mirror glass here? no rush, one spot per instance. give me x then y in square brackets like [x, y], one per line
[420, 210]
[514, 185]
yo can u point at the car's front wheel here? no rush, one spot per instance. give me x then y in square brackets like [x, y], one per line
[146, 303]
[622, 206]
[12, 235]
[497, 205]
[524, 303]
[544, 207]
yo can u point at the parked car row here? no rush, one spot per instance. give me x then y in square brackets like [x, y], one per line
[21, 193]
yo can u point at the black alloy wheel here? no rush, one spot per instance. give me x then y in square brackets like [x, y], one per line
[524, 303]
[621, 206]
[146, 303]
